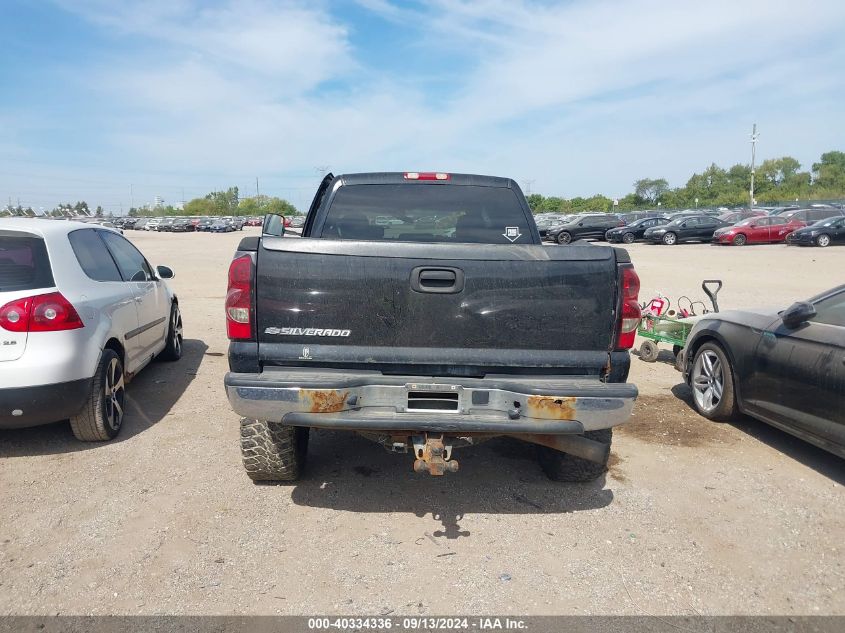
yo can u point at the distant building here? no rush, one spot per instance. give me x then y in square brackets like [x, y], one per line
[158, 202]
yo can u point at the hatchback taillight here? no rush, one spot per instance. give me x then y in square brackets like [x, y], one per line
[630, 312]
[239, 312]
[42, 313]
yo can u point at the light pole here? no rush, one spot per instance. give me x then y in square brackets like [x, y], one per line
[754, 136]
[696, 203]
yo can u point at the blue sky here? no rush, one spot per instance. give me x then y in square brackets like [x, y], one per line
[116, 102]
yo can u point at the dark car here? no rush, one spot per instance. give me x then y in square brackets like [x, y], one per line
[633, 231]
[782, 368]
[822, 233]
[221, 226]
[588, 226]
[813, 214]
[182, 225]
[696, 228]
[732, 217]
[204, 224]
[633, 216]
[166, 224]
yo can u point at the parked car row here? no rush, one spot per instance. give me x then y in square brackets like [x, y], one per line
[184, 224]
[818, 225]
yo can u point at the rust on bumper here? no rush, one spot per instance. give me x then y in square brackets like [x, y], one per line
[552, 407]
[323, 401]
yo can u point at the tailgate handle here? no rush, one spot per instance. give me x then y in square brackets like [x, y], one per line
[437, 280]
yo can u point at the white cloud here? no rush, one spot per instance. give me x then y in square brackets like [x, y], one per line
[581, 97]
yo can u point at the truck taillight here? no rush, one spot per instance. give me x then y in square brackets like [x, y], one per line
[42, 313]
[629, 313]
[239, 312]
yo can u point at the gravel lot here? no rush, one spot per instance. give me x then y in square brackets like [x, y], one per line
[693, 518]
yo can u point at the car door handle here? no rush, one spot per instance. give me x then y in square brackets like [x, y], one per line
[437, 280]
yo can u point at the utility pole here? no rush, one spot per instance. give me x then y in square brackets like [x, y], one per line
[257, 193]
[754, 136]
[132, 196]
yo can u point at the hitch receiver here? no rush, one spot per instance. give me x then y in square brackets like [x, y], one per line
[433, 455]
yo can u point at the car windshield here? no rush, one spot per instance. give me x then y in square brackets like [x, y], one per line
[827, 222]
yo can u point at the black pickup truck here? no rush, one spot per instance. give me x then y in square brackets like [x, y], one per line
[422, 311]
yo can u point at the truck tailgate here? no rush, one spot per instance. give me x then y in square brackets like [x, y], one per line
[435, 308]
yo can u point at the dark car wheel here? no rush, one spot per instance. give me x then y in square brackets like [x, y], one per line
[629, 238]
[823, 240]
[564, 237]
[670, 239]
[740, 240]
[712, 383]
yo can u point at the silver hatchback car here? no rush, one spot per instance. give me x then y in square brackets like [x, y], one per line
[81, 312]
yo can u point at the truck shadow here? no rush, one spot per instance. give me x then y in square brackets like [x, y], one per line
[823, 462]
[350, 473]
[149, 397]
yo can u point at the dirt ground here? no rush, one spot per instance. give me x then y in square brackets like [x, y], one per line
[693, 517]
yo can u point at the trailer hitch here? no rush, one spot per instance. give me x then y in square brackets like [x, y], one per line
[433, 455]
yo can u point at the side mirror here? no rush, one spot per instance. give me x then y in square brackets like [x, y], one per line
[797, 313]
[274, 225]
[165, 272]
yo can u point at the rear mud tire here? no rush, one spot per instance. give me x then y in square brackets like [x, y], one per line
[273, 451]
[560, 466]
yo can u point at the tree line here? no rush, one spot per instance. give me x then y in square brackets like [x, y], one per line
[224, 203]
[776, 180]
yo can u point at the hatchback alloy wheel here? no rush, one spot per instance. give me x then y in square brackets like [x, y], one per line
[708, 381]
[114, 395]
[823, 240]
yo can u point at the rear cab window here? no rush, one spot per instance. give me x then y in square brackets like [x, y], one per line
[24, 263]
[427, 213]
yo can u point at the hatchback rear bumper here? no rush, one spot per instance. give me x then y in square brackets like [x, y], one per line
[31, 406]
[544, 405]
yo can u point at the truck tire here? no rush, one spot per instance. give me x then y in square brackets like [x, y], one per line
[273, 451]
[560, 466]
[102, 415]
